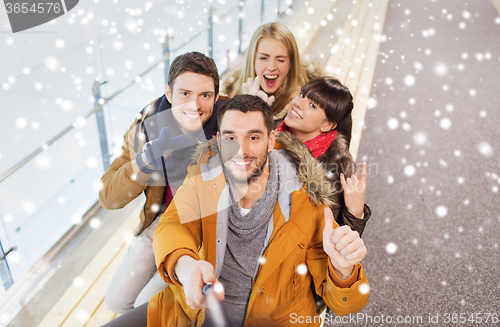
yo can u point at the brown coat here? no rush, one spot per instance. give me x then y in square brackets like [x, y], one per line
[194, 225]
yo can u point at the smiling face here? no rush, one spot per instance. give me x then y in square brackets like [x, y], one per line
[192, 99]
[244, 143]
[306, 119]
[272, 64]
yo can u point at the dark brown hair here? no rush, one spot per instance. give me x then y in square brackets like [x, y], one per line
[194, 62]
[333, 97]
[246, 103]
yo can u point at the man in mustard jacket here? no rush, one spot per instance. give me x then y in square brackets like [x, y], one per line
[176, 122]
[258, 228]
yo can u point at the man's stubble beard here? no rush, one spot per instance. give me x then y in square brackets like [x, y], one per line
[254, 175]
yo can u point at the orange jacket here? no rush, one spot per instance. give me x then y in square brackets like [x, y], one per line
[195, 224]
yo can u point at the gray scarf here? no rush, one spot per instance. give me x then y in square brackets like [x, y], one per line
[245, 243]
[261, 209]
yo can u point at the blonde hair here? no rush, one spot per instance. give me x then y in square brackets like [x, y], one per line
[297, 74]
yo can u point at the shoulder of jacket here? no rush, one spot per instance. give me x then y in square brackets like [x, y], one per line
[206, 149]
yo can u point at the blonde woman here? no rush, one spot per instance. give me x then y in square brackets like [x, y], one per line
[273, 58]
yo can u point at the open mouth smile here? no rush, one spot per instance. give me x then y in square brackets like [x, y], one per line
[294, 114]
[192, 115]
[242, 164]
[270, 79]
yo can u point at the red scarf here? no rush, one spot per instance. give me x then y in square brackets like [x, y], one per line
[317, 145]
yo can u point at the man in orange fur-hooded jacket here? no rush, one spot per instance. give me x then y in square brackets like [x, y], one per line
[247, 222]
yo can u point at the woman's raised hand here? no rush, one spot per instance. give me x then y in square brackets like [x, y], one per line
[354, 192]
[252, 87]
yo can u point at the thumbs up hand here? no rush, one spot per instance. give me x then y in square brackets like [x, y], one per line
[343, 245]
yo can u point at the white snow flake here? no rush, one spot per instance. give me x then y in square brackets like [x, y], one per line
[441, 211]
[393, 123]
[440, 69]
[410, 80]
[364, 288]
[21, 122]
[391, 248]
[409, 170]
[78, 282]
[485, 149]
[371, 103]
[301, 269]
[445, 123]
[95, 223]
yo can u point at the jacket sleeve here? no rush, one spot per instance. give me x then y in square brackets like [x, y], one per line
[179, 230]
[118, 189]
[344, 217]
[341, 296]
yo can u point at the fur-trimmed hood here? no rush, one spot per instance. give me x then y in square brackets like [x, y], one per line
[337, 159]
[309, 170]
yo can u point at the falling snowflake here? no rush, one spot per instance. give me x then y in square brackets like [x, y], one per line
[97, 186]
[440, 69]
[485, 149]
[410, 80]
[393, 123]
[76, 219]
[301, 269]
[364, 288]
[390, 179]
[441, 211]
[409, 170]
[391, 248]
[371, 103]
[78, 282]
[59, 44]
[445, 123]
[43, 162]
[21, 122]
[95, 223]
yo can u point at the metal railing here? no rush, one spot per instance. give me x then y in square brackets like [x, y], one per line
[101, 102]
